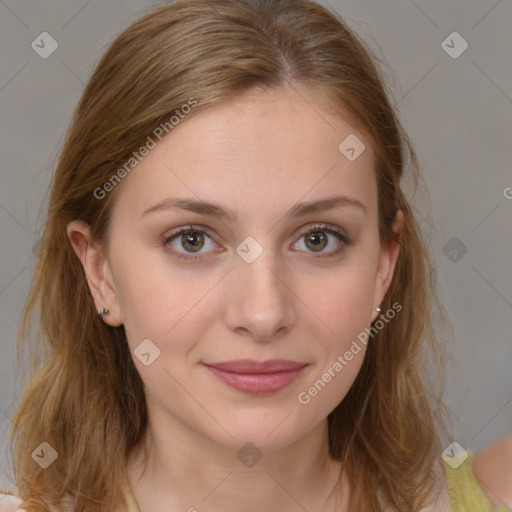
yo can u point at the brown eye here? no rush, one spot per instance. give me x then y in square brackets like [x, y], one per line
[320, 237]
[187, 242]
[316, 241]
[192, 240]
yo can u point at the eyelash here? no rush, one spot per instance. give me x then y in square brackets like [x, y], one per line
[340, 235]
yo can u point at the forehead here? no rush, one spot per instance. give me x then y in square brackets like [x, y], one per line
[264, 148]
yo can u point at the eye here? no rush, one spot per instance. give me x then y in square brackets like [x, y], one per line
[316, 239]
[190, 239]
[193, 239]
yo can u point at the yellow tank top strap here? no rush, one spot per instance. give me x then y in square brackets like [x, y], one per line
[130, 500]
[465, 493]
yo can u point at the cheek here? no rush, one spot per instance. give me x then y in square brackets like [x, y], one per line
[342, 309]
[172, 308]
[151, 304]
[344, 302]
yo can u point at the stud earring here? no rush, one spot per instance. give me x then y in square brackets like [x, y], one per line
[377, 309]
[103, 311]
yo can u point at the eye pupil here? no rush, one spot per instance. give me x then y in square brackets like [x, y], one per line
[317, 239]
[193, 239]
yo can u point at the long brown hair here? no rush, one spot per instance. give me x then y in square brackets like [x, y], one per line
[84, 396]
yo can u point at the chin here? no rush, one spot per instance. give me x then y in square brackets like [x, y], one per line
[271, 433]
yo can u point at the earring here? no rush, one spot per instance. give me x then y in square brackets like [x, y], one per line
[103, 311]
[377, 309]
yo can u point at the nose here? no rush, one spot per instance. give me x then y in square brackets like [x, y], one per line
[261, 303]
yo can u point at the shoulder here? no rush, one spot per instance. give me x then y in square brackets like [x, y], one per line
[493, 469]
[10, 503]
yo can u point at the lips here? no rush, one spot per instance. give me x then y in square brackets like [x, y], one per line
[250, 366]
[257, 377]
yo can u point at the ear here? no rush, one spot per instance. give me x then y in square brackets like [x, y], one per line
[97, 271]
[386, 266]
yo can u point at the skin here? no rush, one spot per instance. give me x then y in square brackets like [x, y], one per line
[493, 468]
[259, 156]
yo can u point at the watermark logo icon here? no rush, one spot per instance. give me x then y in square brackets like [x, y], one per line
[249, 249]
[454, 249]
[249, 455]
[454, 455]
[454, 45]
[44, 455]
[352, 147]
[44, 45]
[146, 352]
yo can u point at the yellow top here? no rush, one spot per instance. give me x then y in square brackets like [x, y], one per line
[464, 491]
[130, 500]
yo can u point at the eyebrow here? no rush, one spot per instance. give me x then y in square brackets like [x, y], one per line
[220, 212]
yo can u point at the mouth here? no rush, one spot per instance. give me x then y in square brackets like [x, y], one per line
[255, 377]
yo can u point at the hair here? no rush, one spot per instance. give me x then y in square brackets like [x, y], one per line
[84, 395]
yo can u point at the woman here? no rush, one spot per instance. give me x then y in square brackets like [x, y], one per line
[234, 292]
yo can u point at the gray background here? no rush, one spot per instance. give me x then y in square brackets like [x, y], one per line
[457, 112]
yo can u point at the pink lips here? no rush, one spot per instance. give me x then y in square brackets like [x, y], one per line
[257, 377]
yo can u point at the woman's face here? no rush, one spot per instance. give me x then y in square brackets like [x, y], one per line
[274, 281]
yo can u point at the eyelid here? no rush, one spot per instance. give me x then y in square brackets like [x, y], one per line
[188, 227]
[168, 237]
[319, 226]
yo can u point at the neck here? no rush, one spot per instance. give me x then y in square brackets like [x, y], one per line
[185, 471]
